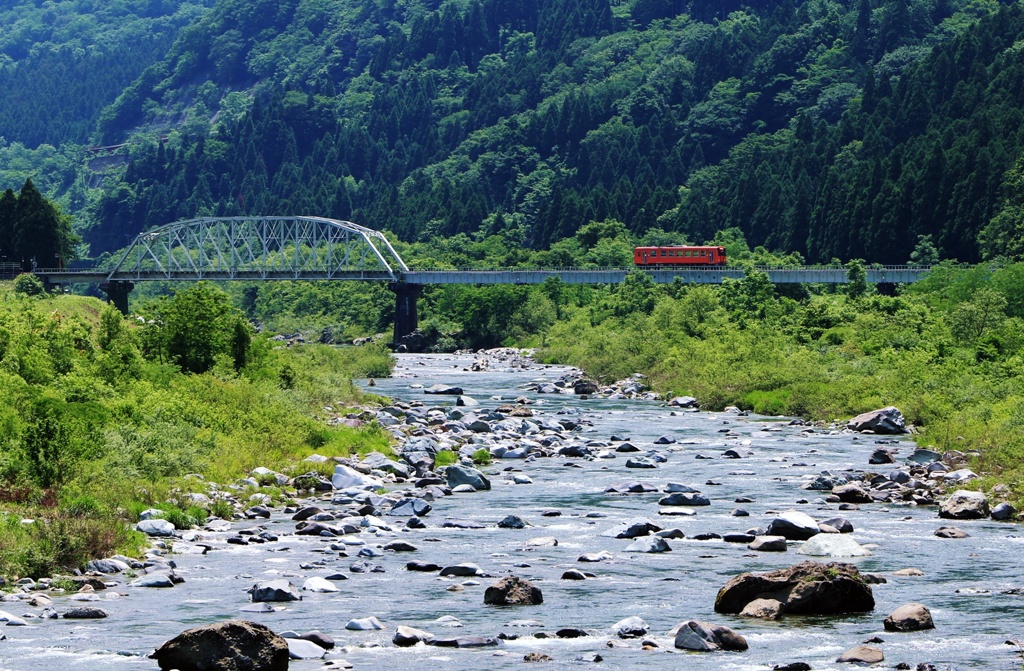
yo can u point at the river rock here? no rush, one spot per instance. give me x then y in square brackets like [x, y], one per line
[1004, 511]
[862, 654]
[768, 544]
[764, 609]
[809, 588]
[880, 456]
[464, 401]
[887, 420]
[632, 529]
[574, 574]
[684, 499]
[364, 624]
[300, 648]
[840, 524]
[648, 544]
[422, 566]
[463, 570]
[444, 390]
[852, 492]
[951, 532]
[408, 636]
[683, 402]
[319, 585]
[110, 565]
[84, 613]
[640, 462]
[345, 478]
[155, 527]
[160, 580]
[594, 557]
[630, 627]
[235, 645]
[464, 475]
[512, 522]
[964, 505]
[924, 456]
[705, 637]
[513, 591]
[274, 590]
[909, 617]
[793, 525]
[585, 387]
[833, 545]
[410, 507]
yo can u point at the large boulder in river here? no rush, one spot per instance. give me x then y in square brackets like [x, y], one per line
[793, 525]
[833, 545]
[443, 389]
[964, 505]
[513, 591]
[274, 590]
[808, 588]
[345, 477]
[909, 617]
[885, 420]
[464, 475]
[235, 645]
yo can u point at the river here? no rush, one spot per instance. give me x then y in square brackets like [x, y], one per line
[963, 583]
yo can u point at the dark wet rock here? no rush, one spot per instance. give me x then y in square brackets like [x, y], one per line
[664, 440]
[768, 544]
[574, 574]
[951, 532]
[464, 570]
[705, 637]
[684, 499]
[306, 513]
[792, 666]
[808, 588]
[707, 536]
[840, 524]
[463, 642]
[738, 538]
[732, 454]
[648, 544]
[1004, 511]
[887, 420]
[415, 523]
[408, 636]
[632, 529]
[631, 627]
[594, 557]
[585, 387]
[84, 613]
[513, 591]
[314, 529]
[570, 632]
[631, 488]
[409, 507]
[235, 645]
[909, 617]
[683, 402]
[461, 525]
[400, 546]
[574, 451]
[924, 456]
[964, 505]
[793, 525]
[670, 534]
[640, 462]
[861, 654]
[274, 590]
[443, 389]
[512, 522]
[536, 657]
[464, 475]
[422, 566]
[880, 456]
[627, 448]
[740, 512]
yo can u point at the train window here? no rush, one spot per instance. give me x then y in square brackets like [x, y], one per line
[663, 252]
[703, 253]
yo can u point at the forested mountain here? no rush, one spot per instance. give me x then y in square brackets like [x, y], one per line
[832, 129]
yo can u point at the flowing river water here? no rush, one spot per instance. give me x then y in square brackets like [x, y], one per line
[965, 581]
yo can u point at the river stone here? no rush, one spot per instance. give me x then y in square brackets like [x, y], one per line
[885, 421]
[683, 402]
[632, 529]
[345, 478]
[274, 590]
[410, 507]
[320, 585]
[674, 487]
[739, 538]
[705, 637]
[833, 545]
[464, 475]
[408, 636]
[648, 544]
[909, 617]
[924, 456]
[594, 557]
[235, 645]
[630, 627]
[768, 544]
[964, 505]
[764, 609]
[400, 546]
[808, 588]
[512, 522]
[880, 456]
[1004, 511]
[793, 525]
[684, 499]
[84, 613]
[640, 462]
[300, 648]
[443, 389]
[574, 574]
[951, 532]
[153, 580]
[852, 492]
[464, 570]
[840, 524]
[364, 624]
[464, 401]
[155, 527]
[110, 565]
[422, 566]
[542, 542]
[861, 654]
[305, 513]
[513, 591]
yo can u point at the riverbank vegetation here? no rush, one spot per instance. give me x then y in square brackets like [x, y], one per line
[103, 417]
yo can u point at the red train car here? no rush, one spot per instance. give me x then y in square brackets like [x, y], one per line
[679, 256]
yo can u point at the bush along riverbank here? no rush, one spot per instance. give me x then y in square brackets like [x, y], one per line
[948, 351]
[103, 418]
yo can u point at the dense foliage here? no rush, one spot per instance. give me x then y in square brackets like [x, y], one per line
[95, 426]
[34, 231]
[818, 127]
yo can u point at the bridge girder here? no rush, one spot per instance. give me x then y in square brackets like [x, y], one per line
[259, 248]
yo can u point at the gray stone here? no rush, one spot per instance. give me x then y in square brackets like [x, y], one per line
[274, 590]
[1004, 511]
[705, 637]
[512, 522]
[852, 492]
[964, 505]
[951, 532]
[299, 648]
[227, 646]
[513, 591]
[443, 389]
[683, 402]
[319, 585]
[887, 420]
[909, 617]
[408, 636]
[410, 507]
[461, 570]
[107, 566]
[84, 613]
[364, 624]
[630, 627]
[648, 544]
[793, 525]
[464, 475]
[768, 544]
[763, 609]
[684, 499]
[833, 545]
[153, 580]
[155, 527]
[862, 654]
[640, 462]
[632, 529]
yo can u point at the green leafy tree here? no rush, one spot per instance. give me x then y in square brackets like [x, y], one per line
[198, 326]
[42, 233]
[856, 279]
[925, 253]
[978, 317]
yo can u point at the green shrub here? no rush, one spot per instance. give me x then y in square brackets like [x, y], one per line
[445, 458]
[482, 457]
[222, 509]
[28, 284]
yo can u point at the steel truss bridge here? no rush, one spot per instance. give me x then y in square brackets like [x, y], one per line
[316, 248]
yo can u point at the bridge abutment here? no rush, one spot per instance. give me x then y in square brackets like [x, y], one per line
[406, 315]
[117, 293]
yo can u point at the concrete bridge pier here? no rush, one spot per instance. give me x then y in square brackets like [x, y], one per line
[117, 293]
[406, 316]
